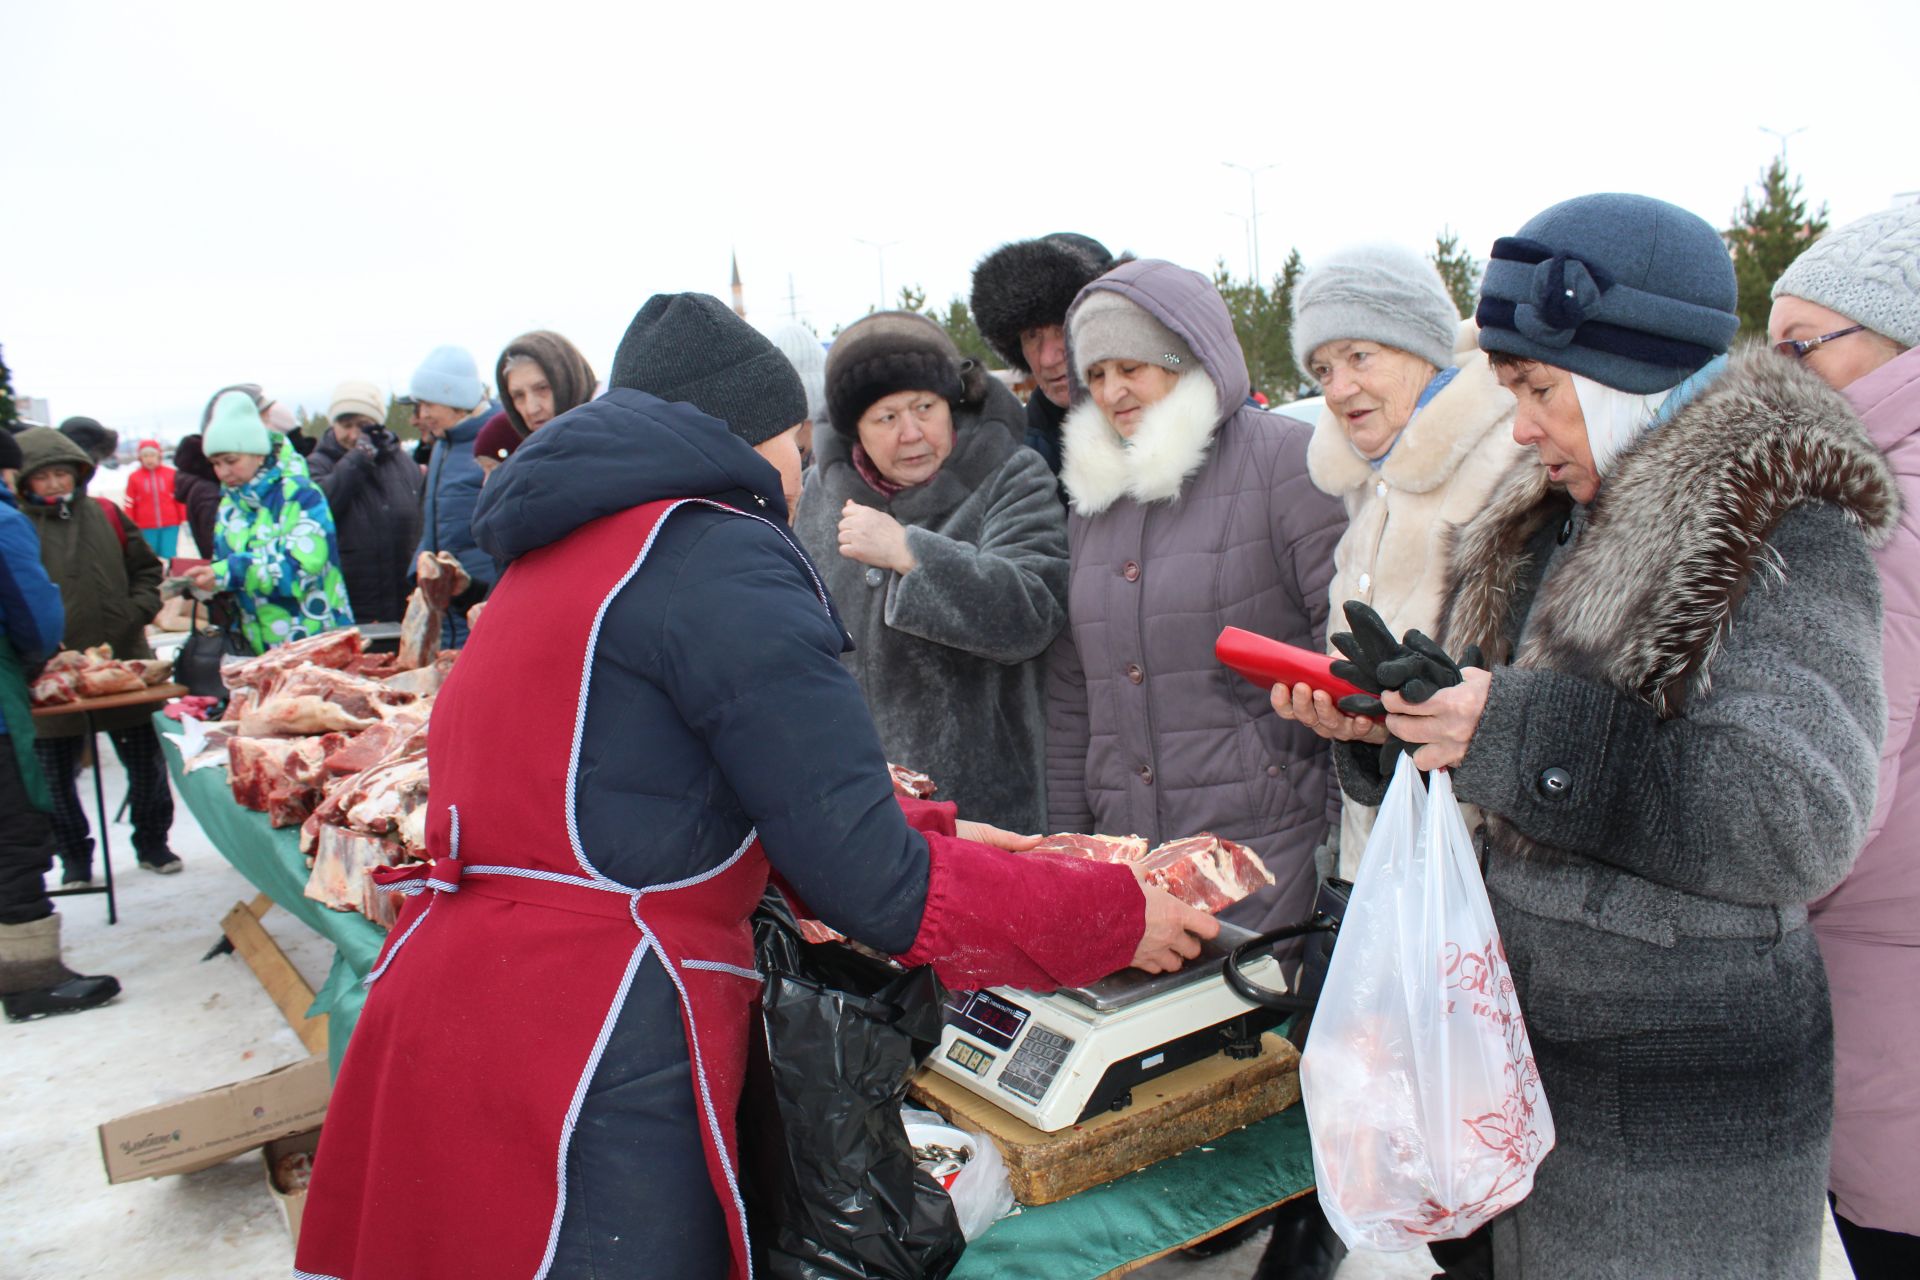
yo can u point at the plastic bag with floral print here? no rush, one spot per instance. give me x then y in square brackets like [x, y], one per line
[1418, 1078]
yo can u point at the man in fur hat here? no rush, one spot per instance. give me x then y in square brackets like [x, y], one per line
[1021, 292]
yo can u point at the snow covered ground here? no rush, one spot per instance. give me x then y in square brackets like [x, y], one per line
[181, 1026]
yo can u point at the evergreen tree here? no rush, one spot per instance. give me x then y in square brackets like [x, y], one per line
[1263, 322]
[9, 412]
[956, 320]
[1459, 269]
[400, 419]
[1766, 236]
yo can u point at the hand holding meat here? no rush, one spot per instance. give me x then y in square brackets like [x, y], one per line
[1442, 727]
[203, 578]
[1174, 930]
[875, 538]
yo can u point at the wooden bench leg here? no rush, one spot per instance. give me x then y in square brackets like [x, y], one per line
[283, 983]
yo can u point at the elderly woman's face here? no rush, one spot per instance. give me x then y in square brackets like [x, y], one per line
[530, 393]
[1548, 420]
[908, 435]
[1839, 362]
[1126, 389]
[1371, 390]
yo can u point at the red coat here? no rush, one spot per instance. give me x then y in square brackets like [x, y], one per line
[150, 498]
[503, 978]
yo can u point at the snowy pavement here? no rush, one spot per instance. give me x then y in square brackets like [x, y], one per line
[181, 1026]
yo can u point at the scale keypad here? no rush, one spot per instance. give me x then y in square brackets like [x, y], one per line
[1030, 1072]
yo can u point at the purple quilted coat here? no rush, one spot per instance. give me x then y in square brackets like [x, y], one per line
[1205, 519]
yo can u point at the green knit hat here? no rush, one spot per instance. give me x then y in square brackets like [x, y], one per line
[235, 427]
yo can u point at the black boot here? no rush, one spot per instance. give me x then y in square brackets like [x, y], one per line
[33, 981]
[1304, 1244]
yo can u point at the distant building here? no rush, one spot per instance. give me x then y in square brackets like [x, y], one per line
[33, 411]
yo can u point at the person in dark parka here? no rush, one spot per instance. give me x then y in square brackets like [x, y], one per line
[1021, 292]
[195, 484]
[682, 723]
[373, 489]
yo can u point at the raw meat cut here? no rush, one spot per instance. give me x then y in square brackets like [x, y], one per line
[1202, 871]
[1100, 848]
[65, 660]
[375, 745]
[419, 631]
[1207, 872]
[152, 670]
[337, 649]
[307, 713]
[914, 786]
[341, 862]
[279, 777]
[358, 696]
[108, 678]
[55, 687]
[425, 680]
[72, 674]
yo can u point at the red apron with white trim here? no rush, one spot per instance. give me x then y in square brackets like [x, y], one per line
[445, 1142]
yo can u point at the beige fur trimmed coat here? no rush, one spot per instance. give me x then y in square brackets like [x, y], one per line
[1394, 554]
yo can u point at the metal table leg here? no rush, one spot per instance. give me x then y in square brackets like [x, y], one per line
[100, 805]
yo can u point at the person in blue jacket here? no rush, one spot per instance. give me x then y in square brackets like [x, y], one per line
[33, 981]
[450, 405]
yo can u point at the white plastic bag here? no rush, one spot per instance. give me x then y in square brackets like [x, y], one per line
[981, 1190]
[1419, 1082]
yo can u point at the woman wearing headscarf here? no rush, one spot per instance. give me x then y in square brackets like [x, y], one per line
[1849, 310]
[941, 541]
[274, 546]
[1188, 512]
[541, 376]
[559, 1026]
[1415, 433]
[1675, 745]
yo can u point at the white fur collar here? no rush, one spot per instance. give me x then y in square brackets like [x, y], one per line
[1433, 446]
[1099, 467]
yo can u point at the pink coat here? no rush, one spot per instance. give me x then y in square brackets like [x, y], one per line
[1869, 927]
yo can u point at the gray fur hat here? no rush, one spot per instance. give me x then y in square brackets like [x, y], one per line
[1375, 293]
[1868, 271]
[1630, 291]
[1106, 326]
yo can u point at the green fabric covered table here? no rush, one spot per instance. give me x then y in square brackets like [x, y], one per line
[1161, 1207]
[270, 858]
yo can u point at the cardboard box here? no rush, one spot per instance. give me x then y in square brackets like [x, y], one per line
[201, 1131]
[292, 1203]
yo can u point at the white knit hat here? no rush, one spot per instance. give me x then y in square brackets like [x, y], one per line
[1375, 293]
[808, 356]
[1868, 271]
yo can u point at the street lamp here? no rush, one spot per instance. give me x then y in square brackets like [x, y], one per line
[1253, 173]
[880, 248]
[1783, 135]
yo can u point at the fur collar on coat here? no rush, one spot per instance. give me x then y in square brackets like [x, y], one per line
[1440, 437]
[1099, 467]
[1645, 597]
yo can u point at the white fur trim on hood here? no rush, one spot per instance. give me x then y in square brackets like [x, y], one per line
[1099, 466]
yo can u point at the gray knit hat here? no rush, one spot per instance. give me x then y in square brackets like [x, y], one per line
[1868, 271]
[1106, 326]
[1630, 291]
[1375, 293]
[691, 348]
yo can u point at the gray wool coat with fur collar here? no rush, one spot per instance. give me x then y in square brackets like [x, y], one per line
[1678, 751]
[952, 655]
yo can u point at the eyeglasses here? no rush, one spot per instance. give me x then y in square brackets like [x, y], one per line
[1797, 348]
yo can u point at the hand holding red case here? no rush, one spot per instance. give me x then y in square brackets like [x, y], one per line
[1269, 662]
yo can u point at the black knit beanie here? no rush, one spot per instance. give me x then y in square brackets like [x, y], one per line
[887, 352]
[1029, 284]
[691, 348]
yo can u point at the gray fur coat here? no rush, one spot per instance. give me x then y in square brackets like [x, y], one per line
[1678, 751]
[951, 656]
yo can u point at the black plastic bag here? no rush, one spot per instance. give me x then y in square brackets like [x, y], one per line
[832, 1190]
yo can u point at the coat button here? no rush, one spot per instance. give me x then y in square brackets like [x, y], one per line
[1273, 771]
[1134, 673]
[1555, 783]
[1130, 571]
[874, 576]
[1146, 774]
[1380, 488]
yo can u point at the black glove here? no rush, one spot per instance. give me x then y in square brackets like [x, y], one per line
[1423, 668]
[1368, 645]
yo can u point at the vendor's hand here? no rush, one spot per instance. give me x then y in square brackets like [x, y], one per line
[1441, 727]
[875, 538]
[988, 834]
[1174, 930]
[1315, 709]
[203, 578]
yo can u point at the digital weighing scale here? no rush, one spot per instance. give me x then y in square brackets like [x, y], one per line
[1054, 1060]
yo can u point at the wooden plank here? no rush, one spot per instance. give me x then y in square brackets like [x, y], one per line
[1180, 1110]
[260, 905]
[283, 983]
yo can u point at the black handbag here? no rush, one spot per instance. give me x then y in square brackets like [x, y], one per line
[197, 665]
[1321, 930]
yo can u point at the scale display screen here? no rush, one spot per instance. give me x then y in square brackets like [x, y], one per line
[987, 1016]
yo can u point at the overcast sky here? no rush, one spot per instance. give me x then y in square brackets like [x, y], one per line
[201, 194]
